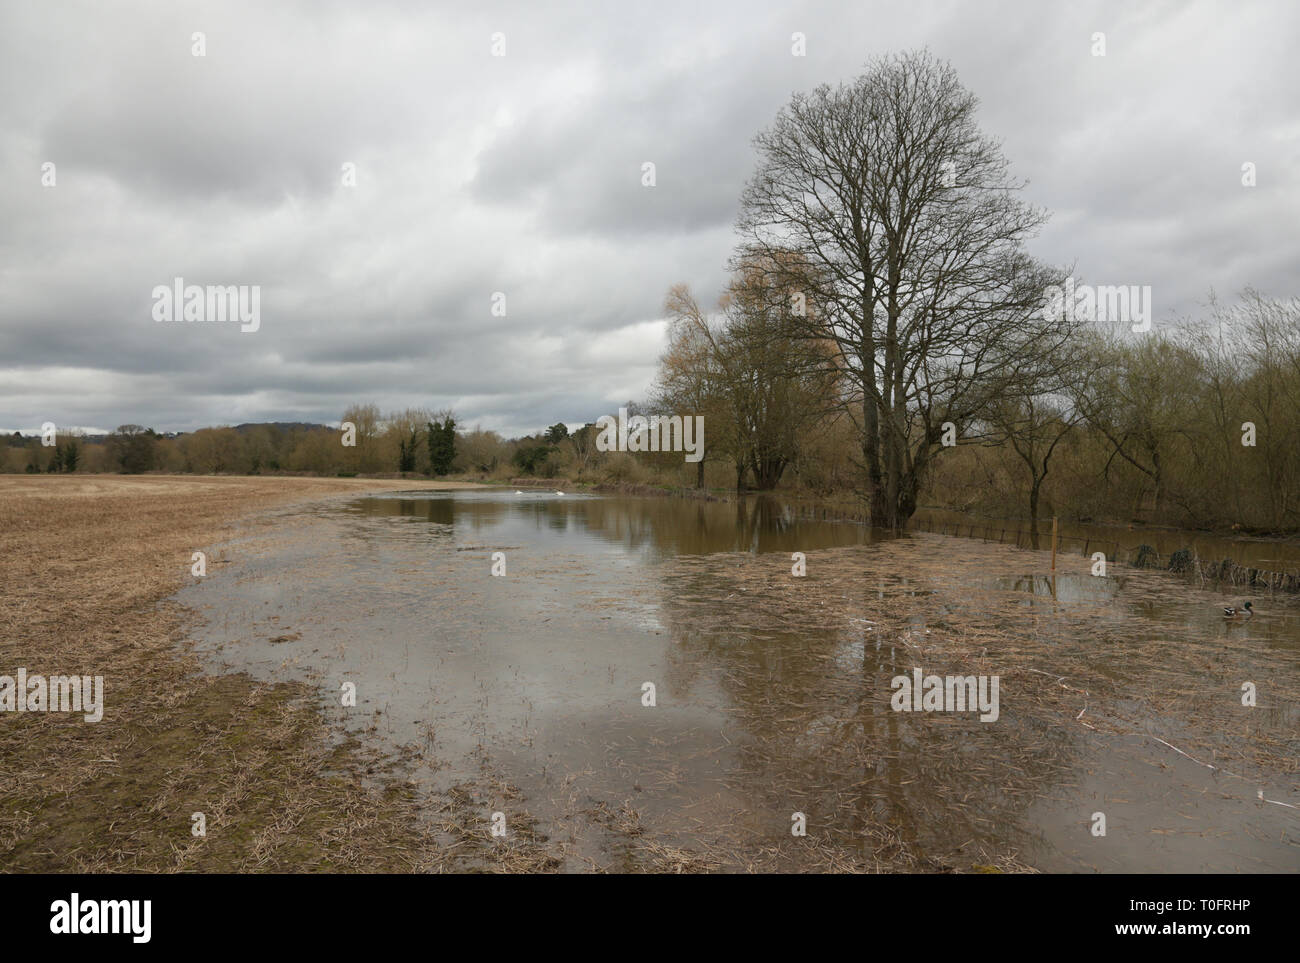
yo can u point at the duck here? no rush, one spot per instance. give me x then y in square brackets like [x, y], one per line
[1244, 611]
[518, 493]
[559, 493]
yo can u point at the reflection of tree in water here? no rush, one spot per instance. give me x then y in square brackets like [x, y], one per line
[436, 511]
[682, 526]
[662, 526]
[1064, 588]
[810, 691]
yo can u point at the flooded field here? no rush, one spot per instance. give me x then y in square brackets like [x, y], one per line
[523, 694]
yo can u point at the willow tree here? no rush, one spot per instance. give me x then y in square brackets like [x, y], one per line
[765, 384]
[1143, 401]
[689, 376]
[898, 220]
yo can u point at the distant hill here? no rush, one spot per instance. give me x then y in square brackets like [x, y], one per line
[98, 435]
[279, 425]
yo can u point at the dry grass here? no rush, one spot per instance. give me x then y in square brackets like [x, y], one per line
[85, 563]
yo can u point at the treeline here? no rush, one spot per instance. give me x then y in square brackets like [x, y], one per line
[414, 440]
[1192, 425]
[1195, 425]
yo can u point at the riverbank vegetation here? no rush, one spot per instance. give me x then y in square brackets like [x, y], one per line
[1194, 425]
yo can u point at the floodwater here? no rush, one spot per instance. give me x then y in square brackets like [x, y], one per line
[772, 694]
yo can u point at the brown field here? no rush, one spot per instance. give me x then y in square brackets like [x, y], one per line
[85, 564]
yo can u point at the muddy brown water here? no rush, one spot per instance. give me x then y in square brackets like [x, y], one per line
[770, 700]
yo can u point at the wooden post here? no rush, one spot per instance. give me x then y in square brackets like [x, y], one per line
[1053, 544]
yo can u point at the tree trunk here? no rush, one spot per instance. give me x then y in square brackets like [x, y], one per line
[768, 472]
[1033, 514]
[1158, 476]
[871, 455]
[907, 496]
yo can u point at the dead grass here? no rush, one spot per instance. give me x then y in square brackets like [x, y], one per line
[85, 563]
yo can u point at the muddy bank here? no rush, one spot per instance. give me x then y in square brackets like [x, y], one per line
[85, 564]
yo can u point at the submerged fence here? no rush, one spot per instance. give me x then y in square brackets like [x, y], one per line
[1184, 561]
[1021, 538]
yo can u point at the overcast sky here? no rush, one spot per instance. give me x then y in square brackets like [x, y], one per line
[522, 174]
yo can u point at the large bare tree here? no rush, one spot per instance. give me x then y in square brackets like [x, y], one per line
[906, 232]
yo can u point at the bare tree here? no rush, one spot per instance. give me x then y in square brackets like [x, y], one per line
[364, 455]
[899, 220]
[1034, 427]
[1144, 403]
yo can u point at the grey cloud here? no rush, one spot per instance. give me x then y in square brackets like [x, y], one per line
[522, 174]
